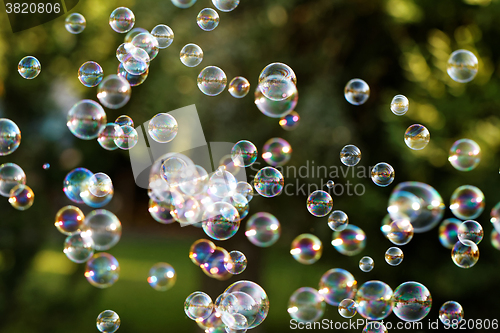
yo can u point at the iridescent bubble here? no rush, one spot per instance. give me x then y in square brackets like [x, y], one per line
[319, 203]
[382, 174]
[201, 250]
[268, 182]
[108, 135]
[462, 66]
[10, 136]
[163, 128]
[448, 232]
[276, 152]
[108, 321]
[128, 139]
[451, 312]
[374, 327]
[336, 285]
[470, 231]
[222, 184]
[100, 184]
[123, 50]
[306, 305]
[221, 221]
[212, 81]
[105, 228]
[136, 62]
[239, 202]
[357, 92]
[404, 205]
[79, 247]
[147, 42]
[465, 155]
[374, 300]
[236, 263]
[191, 55]
[29, 67]
[244, 153]
[161, 211]
[495, 239]
[132, 33]
[11, 175]
[133, 80]
[69, 220]
[465, 256]
[394, 256]
[330, 184]
[417, 137]
[306, 249]
[495, 217]
[164, 35]
[162, 276]
[213, 324]
[401, 232]
[366, 264]
[207, 19]
[239, 87]
[198, 306]
[21, 197]
[467, 202]
[124, 120]
[122, 20]
[277, 81]
[96, 202]
[412, 301]
[348, 308]
[75, 23]
[275, 109]
[102, 270]
[400, 105]
[350, 155]
[46, 166]
[290, 121]
[76, 182]
[338, 220]
[226, 5]
[214, 265]
[183, 3]
[86, 119]
[263, 229]
[245, 189]
[114, 91]
[90, 74]
[259, 311]
[237, 310]
[350, 241]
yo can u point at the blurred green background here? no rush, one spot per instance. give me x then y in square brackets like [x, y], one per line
[396, 46]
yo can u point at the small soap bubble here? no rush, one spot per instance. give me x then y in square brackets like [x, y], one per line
[108, 135]
[330, 184]
[207, 19]
[29, 67]
[105, 228]
[306, 305]
[123, 50]
[236, 263]
[86, 119]
[11, 175]
[276, 152]
[76, 182]
[465, 256]
[245, 189]
[417, 137]
[336, 285]
[394, 256]
[222, 183]
[244, 153]
[382, 174]
[400, 105]
[226, 5]
[366, 264]
[350, 155]
[465, 155]
[133, 80]
[348, 308]
[400, 232]
[21, 197]
[374, 300]
[239, 87]
[10, 136]
[163, 128]
[114, 91]
[277, 82]
[319, 203]
[129, 138]
[122, 20]
[162, 276]
[136, 62]
[108, 321]
[100, 184]
[183, 3]
[269, 182]
[164, 35]
[191, 55]
[69, 220]
[200, 251]
[198, 306]
[75, 23]
[263, 229]
[307, 249]
[102, 270]
[357, 92]
[462, 66]
[448, 232]
[412, 301]
[221, 221]
[124, 120]
[90, 74]
[46, 166]
[470, 231]
[212, 81]
[147, 42]
[338, 220]
[467, 202]
[350, 241]
[79, 247]
[451, 312]
[290, 121]
[275, 109]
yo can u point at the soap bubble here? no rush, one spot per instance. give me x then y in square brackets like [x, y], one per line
[183, 3]
[417, 137]
[21, 197]
[465, 155]
[448, 232]
[336, 285]
[76, 182]
[132, 33]
[108, 135]
[399, 105]
[277, 81]
[29, 67]
[136, 62]
[462, 66]
[268, 182]
[124, 120]
[221, 221]
[86, 119]
[198, 306]
[79, 247]
[245, 189]
[350, 155]
[330, 184]
[237, 310]
[163, 128]
[467, 202]
[122, 20]
[338, 220]
[401, 232]
[470, 231]
[404, 205]
[349, 241]
[207, 19]
[451, 312]
[96, 202]
[465, 256]
[306, 305]
[108, 321]
[75, 23]
[114, 91]
[201, 250]
[394, 256]
[239, 87]
[306, 249]
[276, 152]
[133, 80]
[212, 81]
[90, 74]
[100, 184]
[214, 265]
[382, 174]
[10, 136]
[263, 229]
[191, 55]
[290, 121]
[319, 203]
[356, 92]
[11, 175]
[102, 270]
[161, 211]
[239, 202]
[148, 43]
[69, 220]
[105, 228]
[164, 35]
[275, 109]
[260, 309]
[412, 301]
[46, 166]
[374, 300]
[221, 184]
[495, 239]
[213, 324]
[127, 138]
[226, 5]
[374, 327]
[123, 50]
[236, 263]
[348, 308]
[366, 264]
[162, 276]
[244, 153]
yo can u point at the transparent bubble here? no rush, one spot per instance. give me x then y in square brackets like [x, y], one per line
[374, 300]
[133, 80]
[201, 250]
[357, 92]
[307, 249]
[245, 189]
[348, 308]
[132, 33]
[90, 74]
[465, 155]
[239, 202]
[124, 120]
[123, 50]
[114, 91]
[11, 175]
[467, 202]
[100, 184]
[394, 256]
[259, 311]
[401, 232]
[108, 321]
[161, 211]
[222, 184]
[239, 87]
[277, 81]
[105, 228]
[350, 155]
[122, 20]
[268, 182]
[207, 19]
[147, 42]
[198, 306]
[162, 276]
[29, 67]
[128, 139]
[79, 247]
[76, 182]
[462, 66]
[238, 309]
[290, 121]
[237, 262]
[412, 301]
[276, 152]
[226, 5]
[404, 205]
[75, 23]
[183, 3]
[102, 270]
[136, 62]
[375, 327]
[108, 135]
[350, 241]
[330, 184]
[164, 35]
[470, 231]
[21, 197]
[338, 220]
[214, 265]
[400, 105]
[319, 203]
[448, 232]
[306, 305]
[213, 324]
[451, 312]
[69, 220]
[275, 109]
[263, 229]
[191, 55]
[336, 285]
[244, 153]
[86, 119]
[212, 81]
[495, 239]
[417, 137]
[221, 221]
[10, 136]
[46, 166]
[382, 174]
[96, 202]
[465, 256]
[163, 128]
